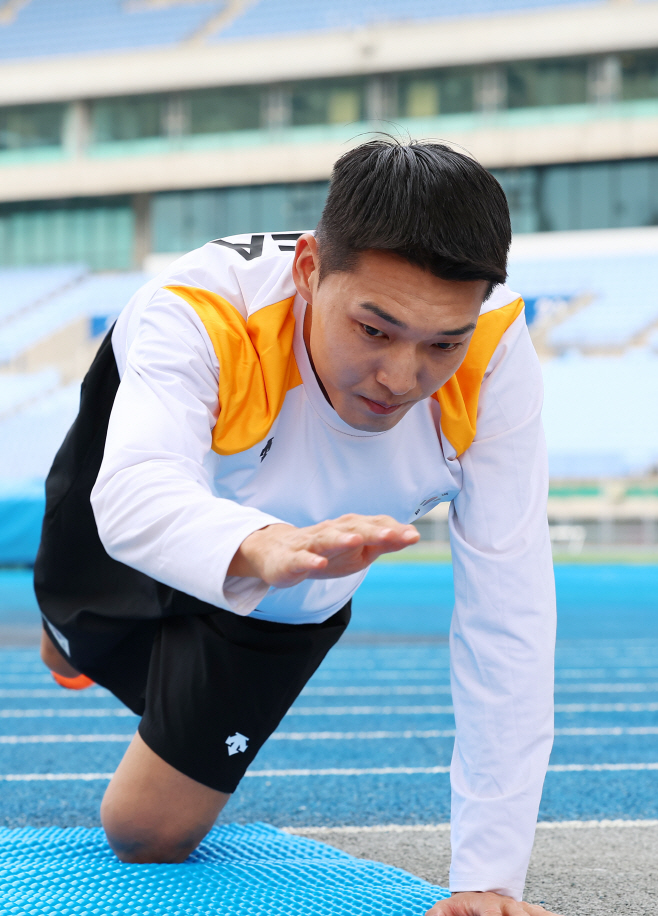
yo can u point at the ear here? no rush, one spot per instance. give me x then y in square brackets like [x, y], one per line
[306, 267]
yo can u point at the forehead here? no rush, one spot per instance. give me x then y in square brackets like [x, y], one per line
[407, 291]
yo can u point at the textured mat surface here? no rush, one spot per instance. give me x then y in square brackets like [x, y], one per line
[252, 870]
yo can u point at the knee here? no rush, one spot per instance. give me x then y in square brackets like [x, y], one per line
[149, 850]
[143, 844]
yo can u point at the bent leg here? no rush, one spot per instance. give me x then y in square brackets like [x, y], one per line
[54, 659]
[151, 812]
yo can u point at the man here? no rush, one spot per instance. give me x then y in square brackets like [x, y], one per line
[265, 419]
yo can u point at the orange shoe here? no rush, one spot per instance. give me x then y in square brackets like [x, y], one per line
[80, 682]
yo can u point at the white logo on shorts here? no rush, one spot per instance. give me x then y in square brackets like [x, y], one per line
[61, 639]
[237, 744]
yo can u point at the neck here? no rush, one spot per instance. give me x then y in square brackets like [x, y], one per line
[308, 321]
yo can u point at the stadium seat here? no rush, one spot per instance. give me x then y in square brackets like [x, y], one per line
[622, 291]
[19, 389]
[23, 287]
[96, 294]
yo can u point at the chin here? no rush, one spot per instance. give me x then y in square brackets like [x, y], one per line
[371, 423]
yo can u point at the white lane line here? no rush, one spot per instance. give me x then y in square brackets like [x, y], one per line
[588, 825]
[428, 690]
[410, 674]
[325, 711]
[610, 671]
[61, 692]
[25, 678]
[351, 736]
[54, 777]
[329, 736]
[351, 771]
[614, 732]
[65, 713]
[450, 733]
[340, 771]
[411, 771]
[375, 691]
[606, 707]
[368, 710]
[62, 739]
[599, 767]
[446, 710]
[440, 828]
[649, 687]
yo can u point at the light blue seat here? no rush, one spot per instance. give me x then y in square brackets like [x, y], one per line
[623, 291]
[43, 28]
[97, 294]
[22, 287]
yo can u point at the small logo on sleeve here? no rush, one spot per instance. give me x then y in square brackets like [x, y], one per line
[237, 744]
[268, 446]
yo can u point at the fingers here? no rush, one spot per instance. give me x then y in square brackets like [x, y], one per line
[485, 904]
[282, 555]
[292, 567]
[533, 909]
[351, 531]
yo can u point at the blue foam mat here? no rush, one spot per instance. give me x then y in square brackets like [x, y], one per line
[252, 870]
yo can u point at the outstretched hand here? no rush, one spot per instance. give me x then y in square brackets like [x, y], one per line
[282, 555]
[471, 903]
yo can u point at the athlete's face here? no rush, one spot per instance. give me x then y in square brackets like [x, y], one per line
[385, 335]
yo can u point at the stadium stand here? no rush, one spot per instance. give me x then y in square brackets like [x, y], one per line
[44, 28]
[595, 413]
[95, 295]
[623, 303]
[19, 389]
[30, 437]
[22, 288]
[286, 16]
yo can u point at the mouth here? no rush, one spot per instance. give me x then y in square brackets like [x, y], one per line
[381, 408]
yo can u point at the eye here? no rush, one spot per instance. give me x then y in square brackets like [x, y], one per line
[447, 347]
[372, 332]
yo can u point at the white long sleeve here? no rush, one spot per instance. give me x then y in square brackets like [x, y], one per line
[503, 629]
[154, 502]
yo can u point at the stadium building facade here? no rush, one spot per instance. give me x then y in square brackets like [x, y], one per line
[148, 127]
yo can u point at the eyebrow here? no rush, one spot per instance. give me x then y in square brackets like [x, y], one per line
[380, 313]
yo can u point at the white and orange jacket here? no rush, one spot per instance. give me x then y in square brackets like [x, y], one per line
[219, 428]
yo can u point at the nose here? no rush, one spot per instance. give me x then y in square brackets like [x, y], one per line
[399, 372]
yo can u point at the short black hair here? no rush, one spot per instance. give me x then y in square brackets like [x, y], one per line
[421, 200]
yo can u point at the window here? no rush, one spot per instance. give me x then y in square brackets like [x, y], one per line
[97, 232]
[426, 95]
[130, 118]
[328, 102]
[520, 187]
[183, 220]
[533, 83]
[29, 126]
[217, 110]
[583, 195]
[639, 74]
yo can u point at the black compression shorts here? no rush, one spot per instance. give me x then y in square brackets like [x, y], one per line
[211, 688]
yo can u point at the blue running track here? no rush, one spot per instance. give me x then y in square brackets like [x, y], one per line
[369, 740]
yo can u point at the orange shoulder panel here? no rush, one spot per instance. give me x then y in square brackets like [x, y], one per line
[257, 365]
[460, 394]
